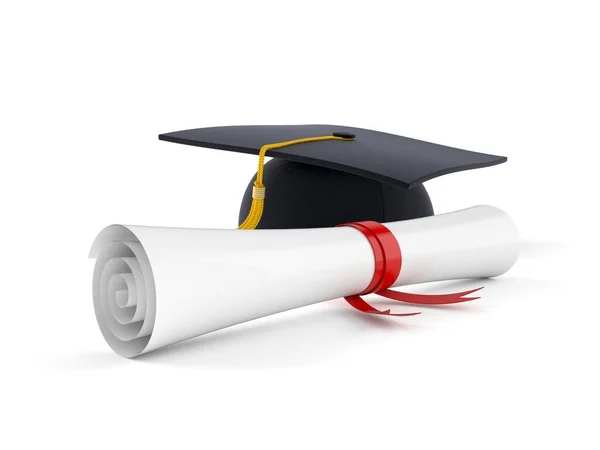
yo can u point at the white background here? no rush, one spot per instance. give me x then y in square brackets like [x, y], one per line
[86, 87]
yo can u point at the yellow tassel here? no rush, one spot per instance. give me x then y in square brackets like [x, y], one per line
[258, 191]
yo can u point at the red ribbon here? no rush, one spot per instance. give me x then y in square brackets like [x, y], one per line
[388, 263]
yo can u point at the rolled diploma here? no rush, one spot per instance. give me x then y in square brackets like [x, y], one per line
[156, 286]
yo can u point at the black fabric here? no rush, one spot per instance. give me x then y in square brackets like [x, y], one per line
[384, 157]
[305, 196]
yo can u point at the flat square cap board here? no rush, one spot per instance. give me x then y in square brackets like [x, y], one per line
[384, 157]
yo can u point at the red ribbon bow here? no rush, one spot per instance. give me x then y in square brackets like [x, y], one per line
[388, 262]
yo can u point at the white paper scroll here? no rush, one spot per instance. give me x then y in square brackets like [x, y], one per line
[157, 286]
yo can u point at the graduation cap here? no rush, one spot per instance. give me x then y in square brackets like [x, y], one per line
[326, 175]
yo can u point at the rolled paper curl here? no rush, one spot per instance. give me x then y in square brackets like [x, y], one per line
[124, 294]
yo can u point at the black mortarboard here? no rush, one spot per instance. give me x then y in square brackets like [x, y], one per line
[356, 175]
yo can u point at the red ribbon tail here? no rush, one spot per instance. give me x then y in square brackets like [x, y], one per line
[429, 299]
[357, 302]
